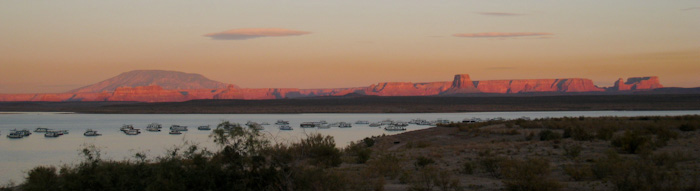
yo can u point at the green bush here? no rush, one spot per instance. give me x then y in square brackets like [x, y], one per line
[572, 151]
[360, 151]
[546, 135]
[631, 141]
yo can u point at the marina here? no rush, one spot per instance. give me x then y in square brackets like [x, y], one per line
[121, 137]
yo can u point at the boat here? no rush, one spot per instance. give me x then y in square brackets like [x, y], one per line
[126, 127]
[323, 122]
[154, 127]
[175, 132]
[400, 124]
[375, 125]
[41, 130]
[394, 128]
[361, 122]
[132, 132]
[91, 133]
[386, 122]
[204, 128]
[178, 127]
[282, 122]
[19, 133]
[286, 128]
[52, 134]
[62, 132]
[344, 125]
[307, 125]
[15, 135]
[471, 120]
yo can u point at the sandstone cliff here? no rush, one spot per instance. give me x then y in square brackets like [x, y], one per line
[178, 87]
[637, 83]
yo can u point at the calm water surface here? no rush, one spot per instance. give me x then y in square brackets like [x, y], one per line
[17, 156]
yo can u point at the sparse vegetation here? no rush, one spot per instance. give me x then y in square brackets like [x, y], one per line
[603, 153]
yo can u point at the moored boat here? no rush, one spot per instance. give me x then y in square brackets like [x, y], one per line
[361, 122]
[154, 127]
[344, 125]
[15, 135]
[41, 130]
[204, 128]
[91, 133]
[175, 132]
[394, 128]
[307, 125]
[286, 127]
[282, 122]
[178, 127]
[52, 134]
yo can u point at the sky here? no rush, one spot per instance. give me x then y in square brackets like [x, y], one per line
[56, 46]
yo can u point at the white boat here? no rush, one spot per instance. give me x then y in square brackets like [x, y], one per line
[344, 125]
[307, 125]
[286, 128]
[178, 127]
[375, 125]
[323, 122]
[41, 130]
[282, 122]
[394, 128]
[471, 120]
[386, 122]
[204, 128]
[126, 127]
[154, 127]
[15, 135]
[175, 132]
[132, 132]
[362, 122]
[52, 134]
[91, 133]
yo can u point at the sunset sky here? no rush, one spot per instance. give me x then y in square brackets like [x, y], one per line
[55, 46]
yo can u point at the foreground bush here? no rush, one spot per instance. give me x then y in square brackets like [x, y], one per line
[246, 161]
[528, 175]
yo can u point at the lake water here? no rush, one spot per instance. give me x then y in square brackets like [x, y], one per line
[17, 156]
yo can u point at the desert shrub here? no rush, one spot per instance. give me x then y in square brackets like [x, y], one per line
[578, 133]
[491, 164]
[386, 165]
[360, 151]
[467, 167]
[422, 161]
[688, 127]
[603, 167]
[605, 133]
[578, 172]
[42, 178]
[631, 141]
[572, 151]
[526, 175]
[320, 149]
[546, 135]
[431, 177]
[369, 142]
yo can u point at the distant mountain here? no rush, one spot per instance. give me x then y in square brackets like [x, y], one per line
[164, 79]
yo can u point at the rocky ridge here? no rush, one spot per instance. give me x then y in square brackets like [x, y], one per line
[177, 87]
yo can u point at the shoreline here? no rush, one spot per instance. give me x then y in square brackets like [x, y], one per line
[374, 105]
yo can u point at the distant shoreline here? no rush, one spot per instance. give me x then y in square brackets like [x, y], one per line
[374, 105]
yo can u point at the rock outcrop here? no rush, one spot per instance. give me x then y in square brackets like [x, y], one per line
[170, 80]
[177, 86]
[637, 83]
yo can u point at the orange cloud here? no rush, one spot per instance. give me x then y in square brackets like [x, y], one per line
[499, 14]
[249, 33]
[501, 34]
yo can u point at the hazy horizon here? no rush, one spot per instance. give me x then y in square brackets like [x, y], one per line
[56, 46]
